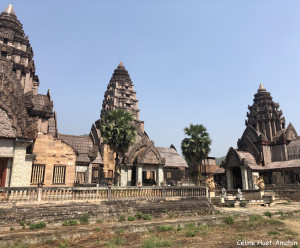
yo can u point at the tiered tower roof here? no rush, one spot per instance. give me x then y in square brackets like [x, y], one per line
[120, 93]
[15, 47]
[264, 115]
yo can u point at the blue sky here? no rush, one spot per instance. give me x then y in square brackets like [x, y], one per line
[196, 62]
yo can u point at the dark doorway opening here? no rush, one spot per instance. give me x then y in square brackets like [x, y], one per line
[133, 176]
[148, 178]
[237, 178]
[3, 170]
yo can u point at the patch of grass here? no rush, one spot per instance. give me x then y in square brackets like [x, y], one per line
[23, 245]
[229, 220]
[49, 241]
[70, 223]
[165, 228]
[165, 210]
[273, 222]
[190, 226]
[116, 241]
[139, 215]
[122, 218]
[154, 242]
[12, 228]
[85, 219]
[97, 229]
[99, 221]
[270, 233]
[244, 204]
[279, 212]
[38, 225]
[292, 233]
[65, 244]
[190, 233]
[171, 215]
[131, 218]
[179, 228]
[218, 212]
[268, 214]
[146, 217]
[120, 231]
[255, 217]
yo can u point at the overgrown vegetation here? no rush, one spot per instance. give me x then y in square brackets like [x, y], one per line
[70, 223]
[157, 241]
[146, 217]
[165, 228]
[268, 214]
[229, 220]
[38, 225]
[131, 218]
[85, 219]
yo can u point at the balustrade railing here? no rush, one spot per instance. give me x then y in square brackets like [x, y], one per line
[61, 194]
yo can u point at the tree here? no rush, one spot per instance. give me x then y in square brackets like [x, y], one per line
[118, 132]
[195, 149]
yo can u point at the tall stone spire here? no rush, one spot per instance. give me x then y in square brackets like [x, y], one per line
[15, 48]
[120, 93]
[264, 115]
[9, 11]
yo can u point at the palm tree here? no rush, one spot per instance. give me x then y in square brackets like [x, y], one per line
[118, 132]
[195, 149]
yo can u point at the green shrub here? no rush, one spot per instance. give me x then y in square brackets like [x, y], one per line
[146, 217]
[12, 228]
[38, 225]
[139, 215]
[84, 219]
[22, 223]
[268, 214]
[229, 220]
[165, 228]
[131, 218]
[122, 218]
[255, 217]
[190, 234]
[179, 228]
[243, 204]
[70, 223]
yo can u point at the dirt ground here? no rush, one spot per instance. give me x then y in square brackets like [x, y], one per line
[248, 231]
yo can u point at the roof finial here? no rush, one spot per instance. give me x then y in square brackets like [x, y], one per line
[261, 87]
[121, 65]
[9, 10]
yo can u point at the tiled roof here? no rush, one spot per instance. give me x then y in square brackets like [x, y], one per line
[220, 171]
[283, 164]
[82, 144]
[250, 159]
[173, 159]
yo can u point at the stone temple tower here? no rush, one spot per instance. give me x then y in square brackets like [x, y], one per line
[264, 115]
[15, 47]
[120, 93]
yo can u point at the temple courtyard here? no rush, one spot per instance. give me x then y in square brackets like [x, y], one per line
[271, 226]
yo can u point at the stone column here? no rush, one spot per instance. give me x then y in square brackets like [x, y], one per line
[160, 174]
[129, 174]
[139, 174]
[21, 170]
[229, 178]
[123, 176]
[89, 173]
[244, 177]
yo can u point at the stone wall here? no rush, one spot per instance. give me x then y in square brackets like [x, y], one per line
[57, 213]
[53, 152]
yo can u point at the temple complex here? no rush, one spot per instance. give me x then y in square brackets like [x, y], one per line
[32, 151]
[267, 147]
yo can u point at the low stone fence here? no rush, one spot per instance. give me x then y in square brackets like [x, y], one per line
[55, 194]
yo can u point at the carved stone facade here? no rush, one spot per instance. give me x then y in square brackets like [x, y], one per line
[265, 148]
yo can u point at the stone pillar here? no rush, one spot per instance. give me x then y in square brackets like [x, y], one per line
[229, 178]
[274, 127]
[123, 176]
[21, 170]
[129, 175]
[89, 173]
[244, 178]
[139, 174]
[160, 175]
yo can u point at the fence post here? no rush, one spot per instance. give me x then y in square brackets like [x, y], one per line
[39, 191]
[206, 193]
[109, 192]
[163, 192]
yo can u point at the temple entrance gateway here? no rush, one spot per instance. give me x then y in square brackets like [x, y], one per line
[3, 170]
[237, 178]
